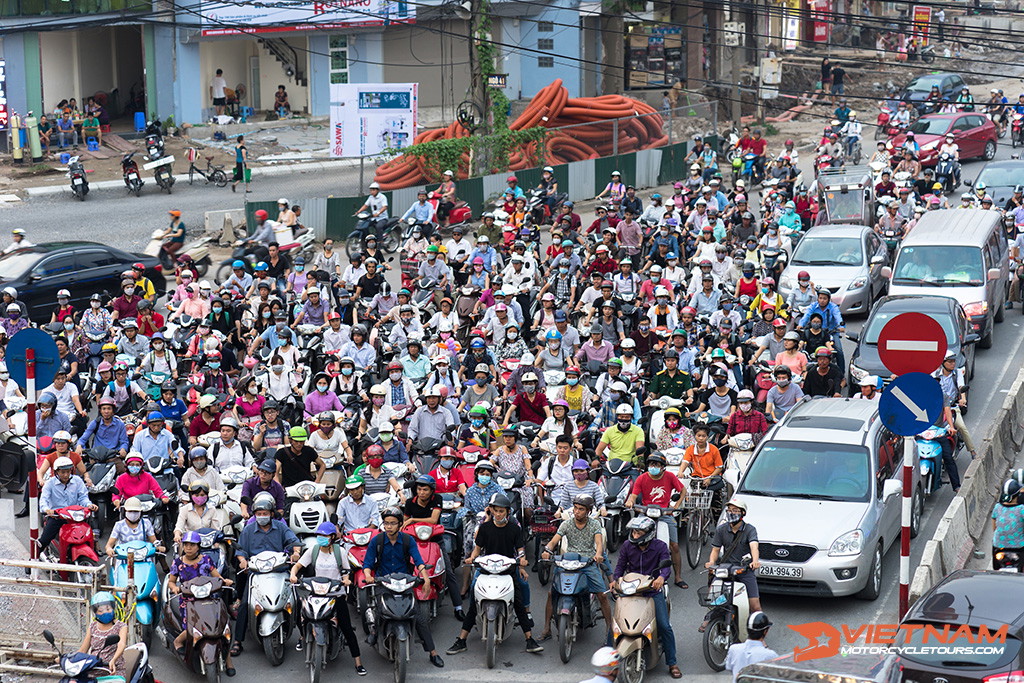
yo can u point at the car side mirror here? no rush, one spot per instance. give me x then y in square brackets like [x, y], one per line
[972, 338]
[877, 260]
[994, 274]
[886, 272]
[732, 477]
[891, 487]
[853, 336]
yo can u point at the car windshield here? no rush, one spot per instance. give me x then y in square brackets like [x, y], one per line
[923, 84]
[1002, 176]
[829, 251]
[927, 126]
[939, 266]
[844, 206]
[16, 264]
[917, 647]
[880, 316]
[796, 469]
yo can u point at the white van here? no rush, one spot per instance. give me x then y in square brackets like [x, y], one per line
[960, 253]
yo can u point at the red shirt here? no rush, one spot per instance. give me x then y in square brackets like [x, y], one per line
[449, 484]
[650, 491]
[605, 267]
[531, 411]
[126, 308]
[758, 146]
[150, 325]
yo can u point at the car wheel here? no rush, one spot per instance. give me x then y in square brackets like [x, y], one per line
[986, 341]
[916, 510]
[873, 586]
[990, 150]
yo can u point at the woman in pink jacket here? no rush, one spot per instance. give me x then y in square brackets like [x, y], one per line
[136, 481]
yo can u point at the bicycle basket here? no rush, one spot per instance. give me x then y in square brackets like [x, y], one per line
[698, 500]
[713, 595]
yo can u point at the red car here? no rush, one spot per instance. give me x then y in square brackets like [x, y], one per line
[975, 134]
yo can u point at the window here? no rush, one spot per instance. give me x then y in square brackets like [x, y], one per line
[94, 258]
[55, 265]
[976, 121]
[339, 59]
[546, 44]
[545, 27]
[545, 62]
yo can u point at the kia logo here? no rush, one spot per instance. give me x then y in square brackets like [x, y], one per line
[940, 680]
[781, 552]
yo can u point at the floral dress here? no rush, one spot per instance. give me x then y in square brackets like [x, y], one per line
[513, 462]
[186, 572]
[680, 438]
[99, 648]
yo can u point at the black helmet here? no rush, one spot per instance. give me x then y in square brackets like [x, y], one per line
[1011, 489]
[271, 405]
[169, 385]
[672, 353]
[656, 457]
[644, 524]
[359, 329]
[584, 499]
[757, 625]
[393, 512]
[500, 500]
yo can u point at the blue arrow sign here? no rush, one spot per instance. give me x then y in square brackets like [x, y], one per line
[911, 403]
[47, 357]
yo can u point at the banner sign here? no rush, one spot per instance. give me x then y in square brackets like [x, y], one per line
[369, 118]
[922, 20]
[225, 18]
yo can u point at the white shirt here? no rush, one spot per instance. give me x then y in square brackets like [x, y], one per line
[746, 653]
[23, 244]
[217, 83]
[326, 564]
[375, 204]
[64, 396]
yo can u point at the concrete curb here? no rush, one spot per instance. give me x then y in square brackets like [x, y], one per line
[963, 523]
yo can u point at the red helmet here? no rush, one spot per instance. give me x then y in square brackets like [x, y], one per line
[689, 310]
[768, 282]
[396, 365]
[184, 259]
[511, 179]
[213, 355]
[262, 215]
[789, 143]
[139, 267]
[447, 452]
[374, 451]
[803, 275]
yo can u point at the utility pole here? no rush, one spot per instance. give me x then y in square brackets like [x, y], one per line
[736, 93]
[478, 93]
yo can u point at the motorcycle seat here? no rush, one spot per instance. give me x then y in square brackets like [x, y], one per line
[132, 659]
[209, 158]
[286, 247]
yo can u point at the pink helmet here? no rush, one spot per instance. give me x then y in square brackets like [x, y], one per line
[105, 367]
[249, 363]
[560, 402]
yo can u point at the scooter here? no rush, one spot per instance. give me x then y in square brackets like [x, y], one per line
[162, 172]
[79, 183]
[750, 172]
[76, 543]
[728, 609]
[208, 622]
[618, 476]
[388, 233]
[574, 606]
[543, 526]
[308, 511]
[393, 618]
[1016, 129]
[270, 603]
[1008, 561]
[147, 582]
[947, 172]
[356, 543]
[634, 626]
[741, 450]
[929, 452]
[428, 542]
[321, 635]
[130, 173]
[82, 667]
[451, 540]
[494, 592]
[102, 468]
[154, 140]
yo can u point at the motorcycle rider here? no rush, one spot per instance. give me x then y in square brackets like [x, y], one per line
[423, 212]
[60, 491]
[753, 649]
[582, 534]
[424, 507]
[953, 385]
[1008, 522]
[393, 552]
[851, 131]
[500, 535]
[643, 554]
[656, 487]
[738, 538]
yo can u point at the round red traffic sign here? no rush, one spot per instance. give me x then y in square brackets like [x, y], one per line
[912, 342]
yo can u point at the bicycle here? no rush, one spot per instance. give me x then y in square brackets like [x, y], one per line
[212, 174]
[698, 521]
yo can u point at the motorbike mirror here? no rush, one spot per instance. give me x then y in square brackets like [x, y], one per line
[665, 563]
[853, 336]
[112, 639]
[972, 338]
[610, 499]
[969, 183]
[48, 635]
[246, 500]
[236, 519]
[334, 518]
[994, 274]
[676, 496]
[877, 260]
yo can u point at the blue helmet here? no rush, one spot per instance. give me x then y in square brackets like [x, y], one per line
[477, 344]
[426, 480]
[102, 598]
[261, 266]
[553, 335]
[155, 416]
[47, 398]
[238, 263]
[326, 529]
[190, 537]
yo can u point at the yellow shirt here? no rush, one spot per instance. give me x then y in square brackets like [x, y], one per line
[145, 287]
[622, 444]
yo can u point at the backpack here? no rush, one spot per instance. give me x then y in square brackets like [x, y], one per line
[215, 449]
[406, 540]
[316, 553]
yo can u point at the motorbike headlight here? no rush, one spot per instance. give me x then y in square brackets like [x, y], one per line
[447, 504]
[424, 532]
[858, 283]
[362, 538]
[140, 554]
[654, 513]
[305, 490]
[571, 565]
[321, 587]
[72, 668]
[202, 591]
[506, 483]
[857, 373]
[850, 543]
[628, 587]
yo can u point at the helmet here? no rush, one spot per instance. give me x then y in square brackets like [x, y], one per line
[63, 463]
[530, 377]
[262, 215]
[264, 502]
[584, 499]
[374, 451]
[644, 524]
[478, 410]
[326, 416]
[393, 512]
[197, 452]
[745, 395]
[624, 409]
[1010, 491]
[485, 466]
[295, 433]
[157, 416]
[757, 625]
[673, 411]
[427, 480]
[61, 435]
[500, 500]
[736, 502]
[553, 335]
[133, 504]
[605, 661]
[102, 598]
[199, 485]
[656, 457]
[46, 398]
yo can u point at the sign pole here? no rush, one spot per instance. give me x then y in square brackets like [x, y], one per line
[909, 451]
[33, 482]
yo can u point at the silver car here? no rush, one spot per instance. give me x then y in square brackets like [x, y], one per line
[826, 515]
[845, 259]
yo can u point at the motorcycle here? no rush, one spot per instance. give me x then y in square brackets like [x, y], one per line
[728, 609]
[79, 183]
[356, 543]
[618, 476]
[573, 604]
[947, 172]
[270, 603]
[162, 172]
[147, 582]
[208, 622]
[929, 452]
[741, 450]
[76, 543]
[1008, 561]
[428, 543]
[130, 173]
[451, 540]
[388, 233]
[393, 617]
[1016, 129]
[154, 140]
[634, 626]
[543, 525]
[82, 667]
[538, 208]
[102, 469]
[320, 633]
[750, 172]
[494, 591]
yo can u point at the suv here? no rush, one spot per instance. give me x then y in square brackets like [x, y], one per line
[825, 516]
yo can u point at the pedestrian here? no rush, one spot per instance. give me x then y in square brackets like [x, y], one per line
[753, 649]
[826, 75]
[838, 81]
[940, 20]
[241, 161]
[217, 91]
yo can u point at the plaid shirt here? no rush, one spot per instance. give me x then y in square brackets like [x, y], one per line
[753, 422]
[563, 286]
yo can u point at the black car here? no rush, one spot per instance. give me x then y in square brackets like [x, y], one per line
[960, 338]
[917, 90]
[965, 598]
[1000, 177]
[83, 268]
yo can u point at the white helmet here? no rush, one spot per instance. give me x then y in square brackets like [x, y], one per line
[449, 173]
[529, 377]
[284, 201]
[624, 409]
[605, 661]
[661, 291]
[374, 186]
[62, 463]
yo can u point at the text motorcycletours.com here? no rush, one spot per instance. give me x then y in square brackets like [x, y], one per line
[924, 650]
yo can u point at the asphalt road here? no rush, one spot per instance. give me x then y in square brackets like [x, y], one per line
[128, 221]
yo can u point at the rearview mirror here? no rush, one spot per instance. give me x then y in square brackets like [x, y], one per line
[891, 488]
[994, 274]
[877, 260]
[853, 336]
[972, 338]
[886, 272]
[48, 635]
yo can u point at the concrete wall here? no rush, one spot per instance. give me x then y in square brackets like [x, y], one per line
[95, 61]
[229, 54]
[57, 50]
[411, 46]
[566, 51]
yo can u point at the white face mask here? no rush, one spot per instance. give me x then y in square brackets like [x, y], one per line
[133, 516]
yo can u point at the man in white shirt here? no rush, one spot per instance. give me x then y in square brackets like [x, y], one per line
[753, 649]
[217, 87]
[19, 241]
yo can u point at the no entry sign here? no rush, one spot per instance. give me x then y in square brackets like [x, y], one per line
[912, 342]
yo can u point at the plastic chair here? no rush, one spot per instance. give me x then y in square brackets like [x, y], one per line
[92, 144]
[140, 121]
[104, 128]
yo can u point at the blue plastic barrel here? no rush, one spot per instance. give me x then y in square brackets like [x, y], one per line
[140, 121]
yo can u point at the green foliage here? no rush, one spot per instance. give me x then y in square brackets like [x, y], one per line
[439, 156]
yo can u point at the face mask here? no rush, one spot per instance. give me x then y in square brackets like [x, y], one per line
[765, 290]
[199, 500]
[719, 382]
[654, 470]
[105, 618]
[615, 395]
[572, 381]
[447, 463]
[69, 326]
[218, 309]
[782, 382]
[323, 541]
[215, 365]
[815, 325]
[484, 479]
[478, 423]
[299, 269]
[804, 283]
[128, 291]
[733, 517]
[263, 520]
[199, 464]
[624, 425]
[662, 301]
[386, 437]
[133, 516]
[512, 334]
[378, 401]
[745, 407]
[134, 469]
[346, 371]
[266, 314]
[375, 462]
[395, 376]
[322, 388]
[277, 368]
[579, 475]
[94, 304]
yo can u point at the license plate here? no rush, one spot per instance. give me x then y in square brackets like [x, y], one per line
[76, 181]
[781, 572]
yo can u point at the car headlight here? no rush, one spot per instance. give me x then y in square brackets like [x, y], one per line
[857, 373]
[858, 283]
[848, 544]
[785, 283]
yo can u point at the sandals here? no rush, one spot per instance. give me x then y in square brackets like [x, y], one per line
[236, 649]
[682, 584]
[674, 672]
[544, 637]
